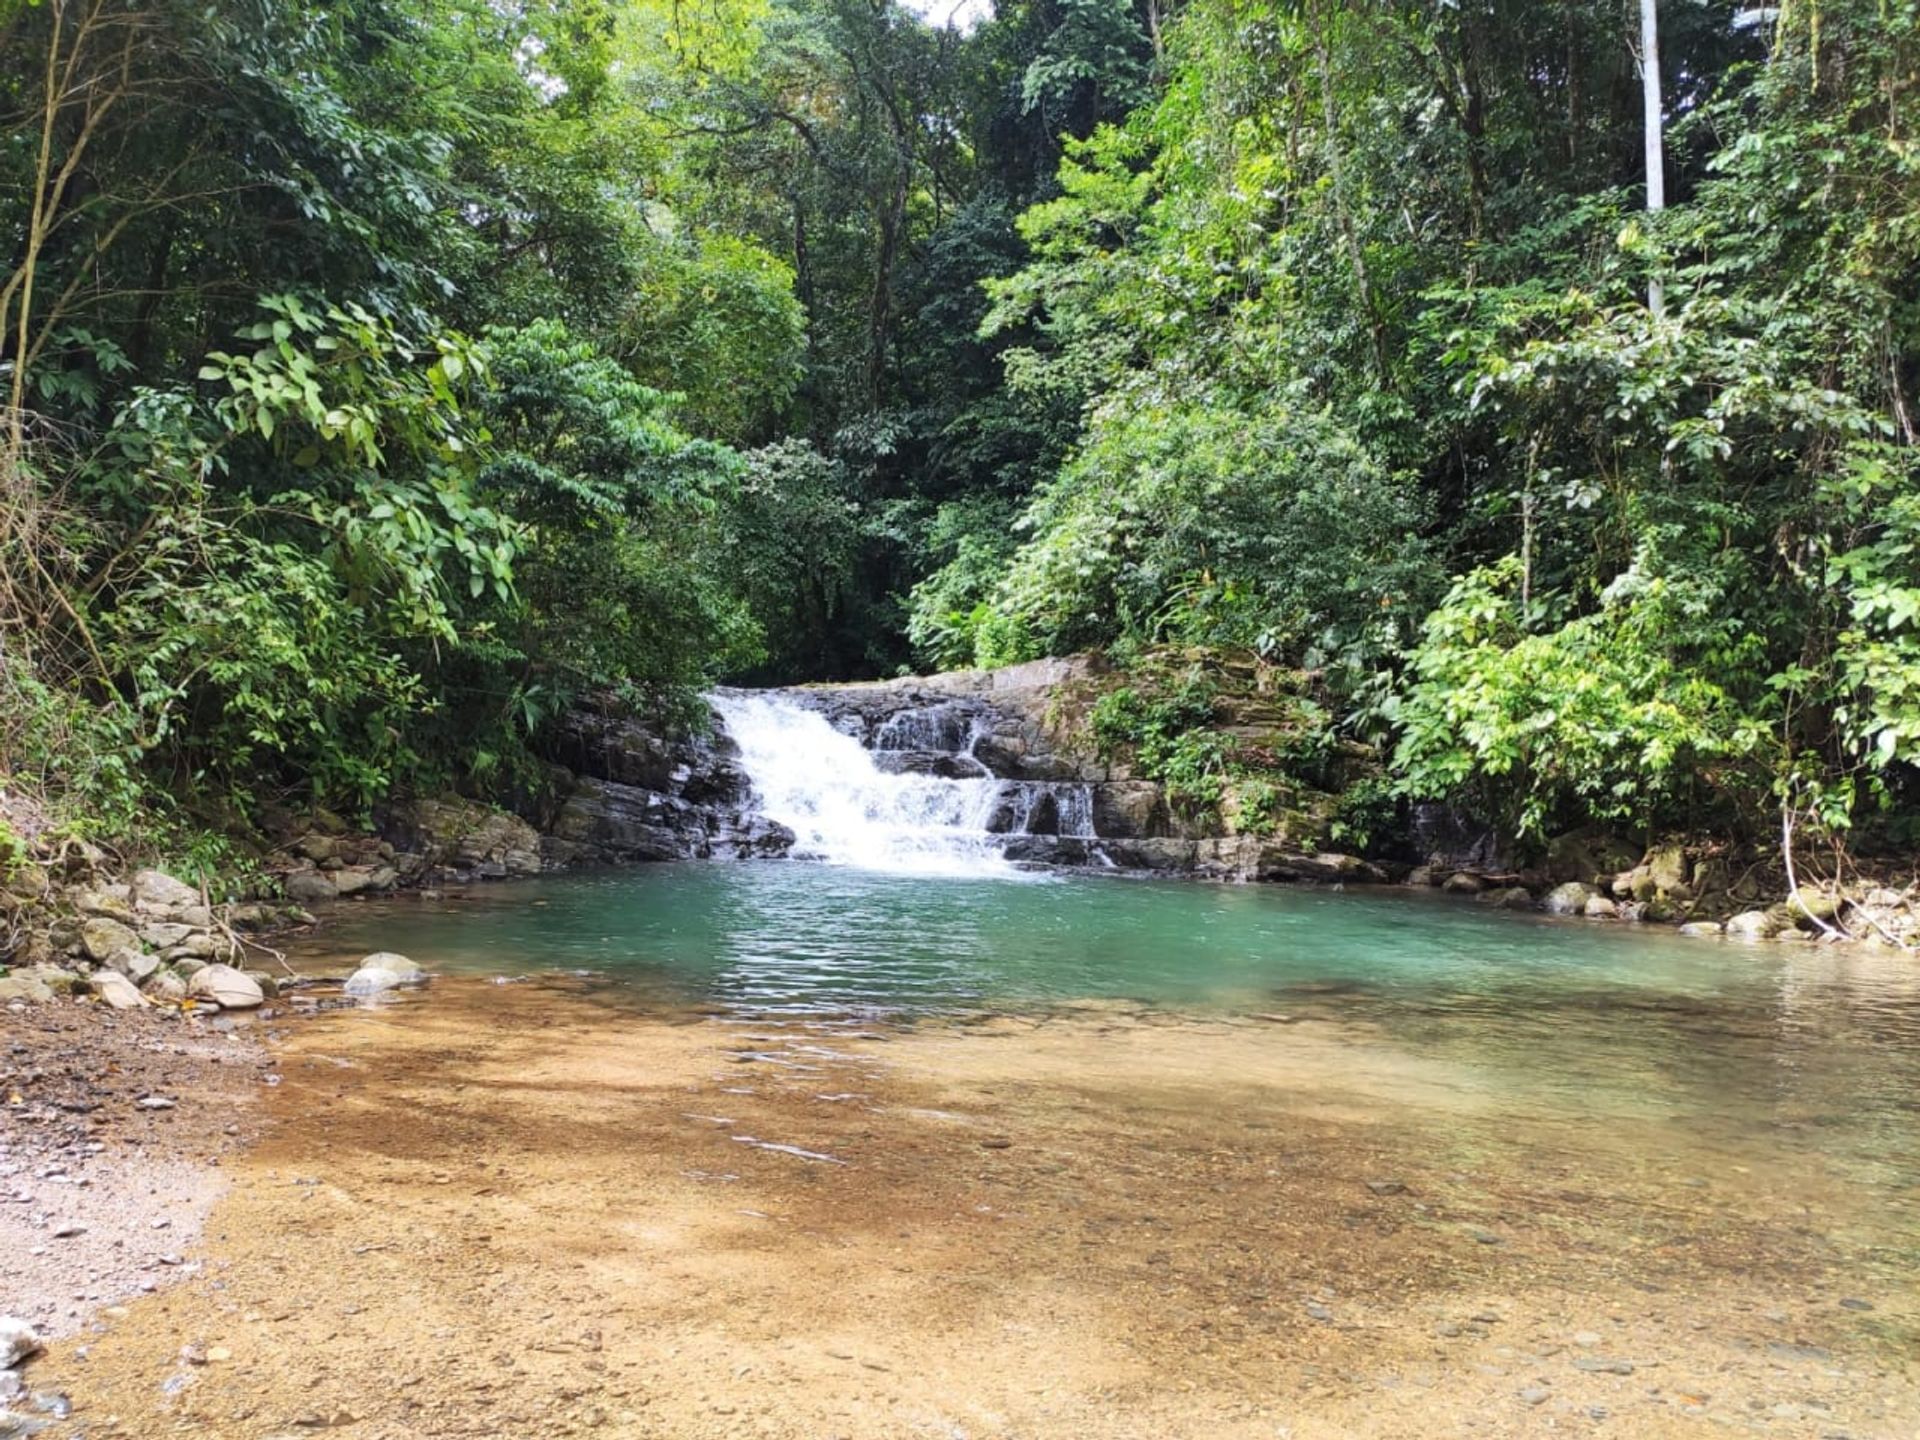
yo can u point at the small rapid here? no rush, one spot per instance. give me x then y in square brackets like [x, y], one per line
[846, 807]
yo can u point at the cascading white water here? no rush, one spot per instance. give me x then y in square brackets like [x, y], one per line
[843, 808]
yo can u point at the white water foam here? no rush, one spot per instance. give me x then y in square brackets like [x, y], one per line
[826, 788]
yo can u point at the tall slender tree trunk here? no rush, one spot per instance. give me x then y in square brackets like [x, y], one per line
[1656, 163]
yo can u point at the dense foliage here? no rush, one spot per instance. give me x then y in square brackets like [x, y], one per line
[383, 375]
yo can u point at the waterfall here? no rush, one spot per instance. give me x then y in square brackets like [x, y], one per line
[919, 803]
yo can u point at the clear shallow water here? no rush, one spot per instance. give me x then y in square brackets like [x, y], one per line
[1707, 1054]
[800, 938]
[1567, 1001]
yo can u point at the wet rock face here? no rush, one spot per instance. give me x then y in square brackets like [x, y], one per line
[630, 792]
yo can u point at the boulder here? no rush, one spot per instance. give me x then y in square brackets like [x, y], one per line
[1701, 929]
[28, 881]
[1667, 865]
[156, 892]
[107, 901]
[33, 949]
[187, 966]
[1810, 909]
[1133, 809]
[1599, 907]
[1586, 855]
[605, 821]
[1420, 876]
[116, 990]
[353, 879]
[1508, 897]
[228, 987]
[1568, 899]
[102, 938]
[136, 965]
[165, 985]
[384, 971]
[309, 886]
[463, 834]
[164, 935]
[61, 982]
[1277, 862]
[1464, 882]
[197, 946]
[316, 847]
[26, 985]
[399, 964]
[1754, 925]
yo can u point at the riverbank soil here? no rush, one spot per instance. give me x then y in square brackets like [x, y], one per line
[531, 1210]
[114, 1131]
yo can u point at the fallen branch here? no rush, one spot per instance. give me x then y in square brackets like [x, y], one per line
[1793, 882]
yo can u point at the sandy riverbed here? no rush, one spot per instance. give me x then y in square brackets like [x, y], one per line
[528, 1210]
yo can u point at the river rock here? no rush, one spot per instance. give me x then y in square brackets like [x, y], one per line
[384, 971]
[1701, 929]
[1754, 925]
[197, 946]
[1568, 899]
[1599, 907]
[136, 965]
[1811, 908]
[156, 892]
[17, 1341]
[28, 881]
[317, 848]
[165, 985]
[1279, 862]
[164, 935]
[1508, 897]
[110, 901]
[55, 978]
[118, 992]
[25, 986]
[227, 986]
[309, 886]
[1667, 866]
[1464, 882]
[102, 938]
[353, 879]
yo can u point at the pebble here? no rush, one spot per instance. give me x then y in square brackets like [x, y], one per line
[1601, 1365]
[1852, 1303]
[1317, 1311]
[1534, 1394]
[1387, 1187]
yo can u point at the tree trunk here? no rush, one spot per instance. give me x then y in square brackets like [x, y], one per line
[1656, 165]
